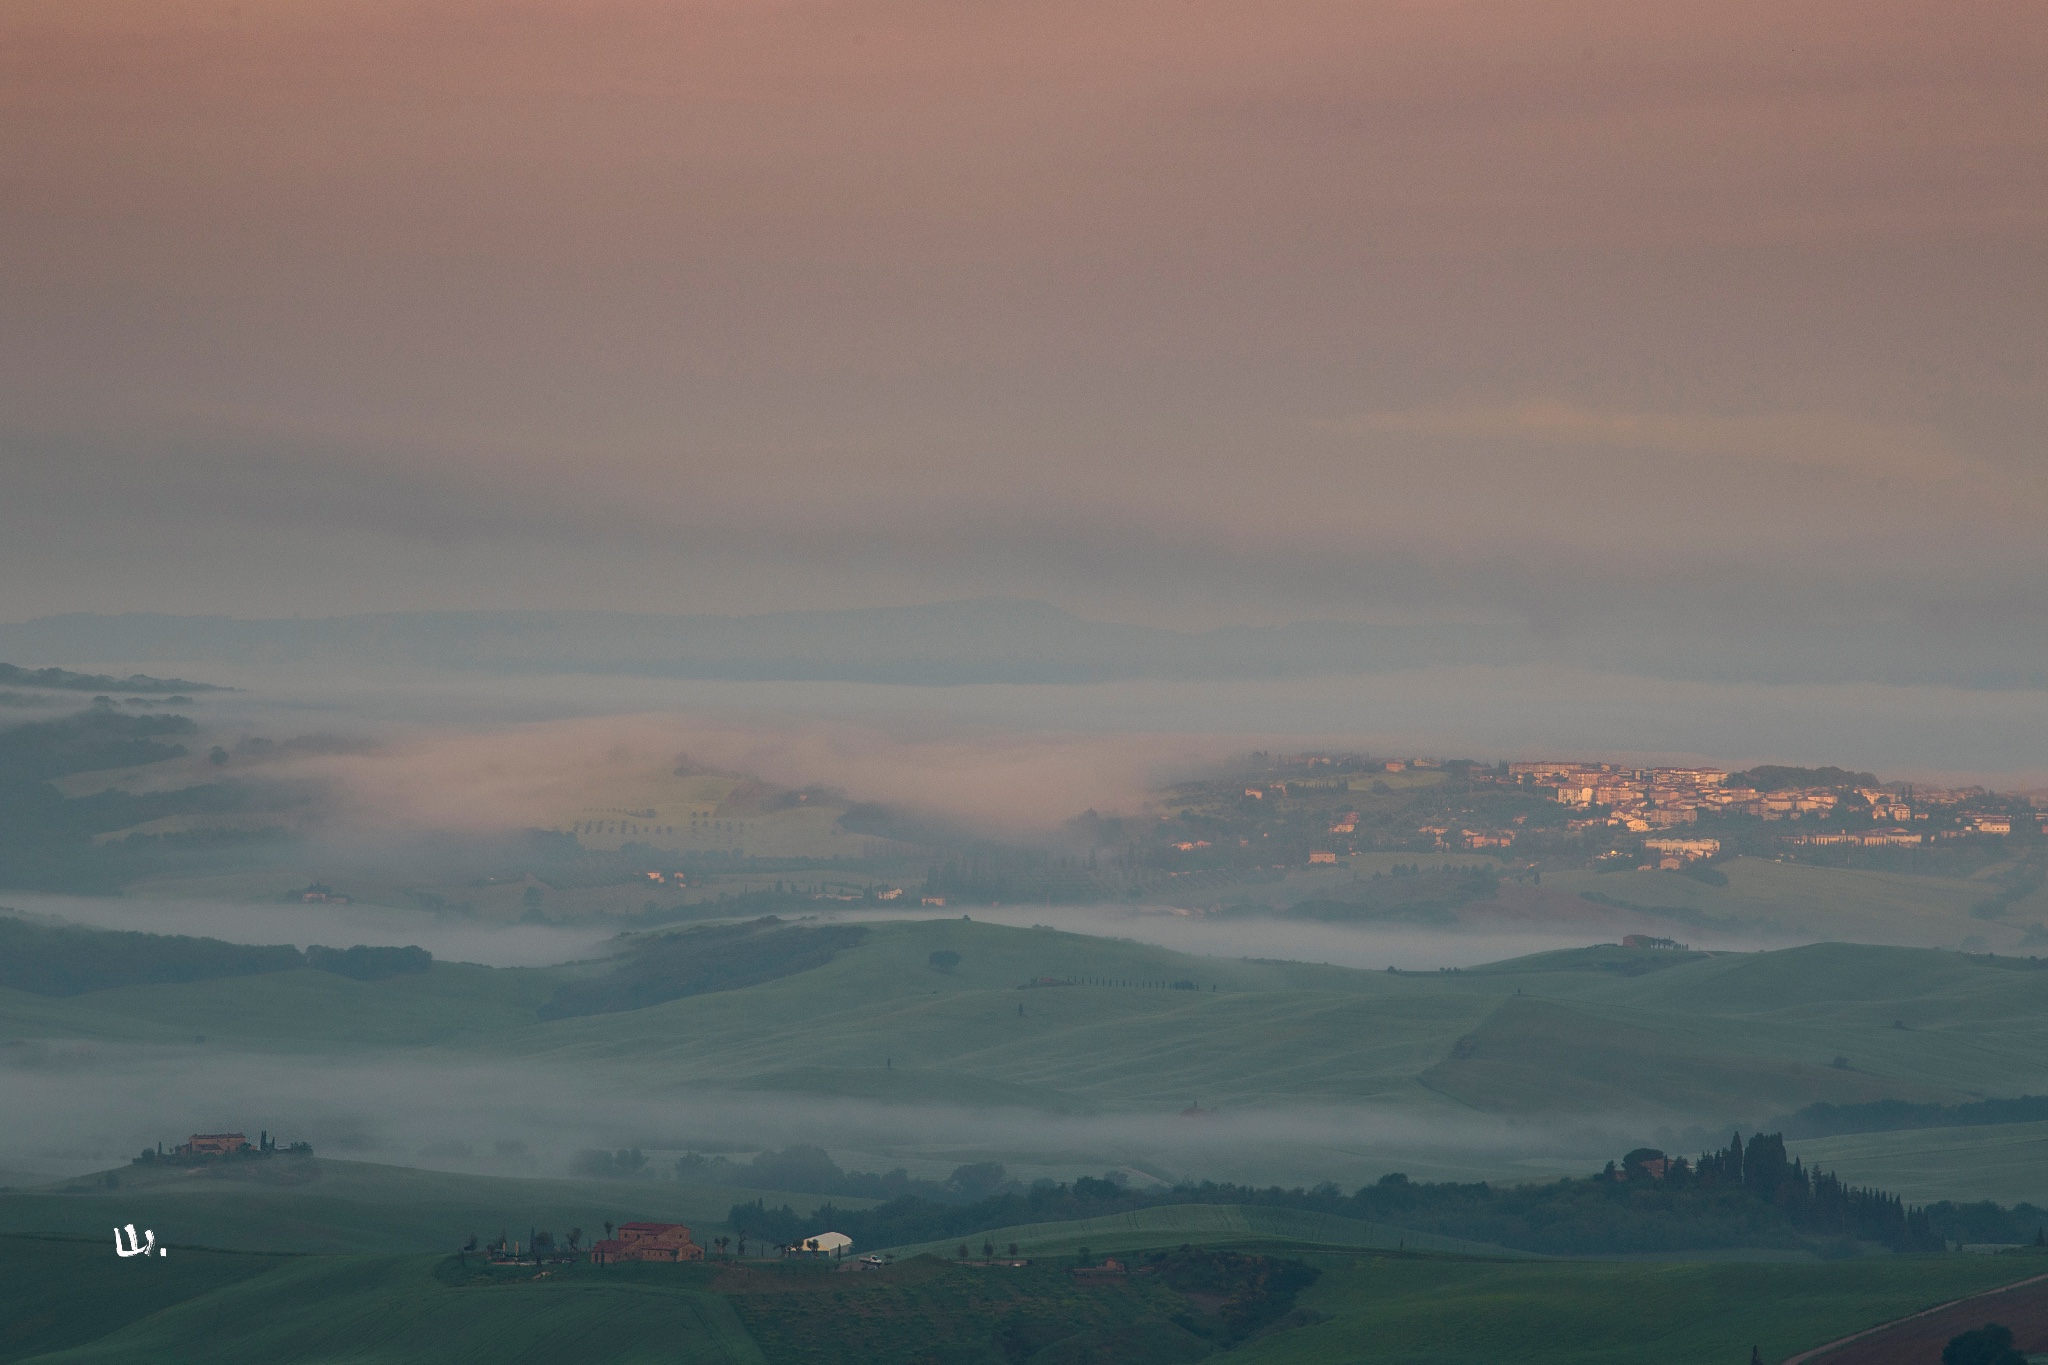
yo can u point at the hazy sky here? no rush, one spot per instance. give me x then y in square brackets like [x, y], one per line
[1185, 311]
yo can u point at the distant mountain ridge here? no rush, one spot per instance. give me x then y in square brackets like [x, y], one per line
[994, 640]
[64, 679]
[1008, 640]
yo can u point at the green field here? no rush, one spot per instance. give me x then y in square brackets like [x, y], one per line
[1804, 901]
[1734, 1037]
[1395, 1311]
[1636, 1037]
[352, 1206]
[352, 1308]
[1248, 1034]
[76, 1302]
[64, 1292]
[1203, 1225]
[2005, 1162]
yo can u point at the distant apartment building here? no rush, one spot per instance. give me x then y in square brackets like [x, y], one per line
[1551, 771]
[1806, 801]
[1691, 850]
[1689, 777]
[1873, 838]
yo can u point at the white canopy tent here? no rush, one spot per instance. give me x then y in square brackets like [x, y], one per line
[824, 1244]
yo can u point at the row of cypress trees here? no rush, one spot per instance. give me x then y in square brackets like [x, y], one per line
[1813, 1201]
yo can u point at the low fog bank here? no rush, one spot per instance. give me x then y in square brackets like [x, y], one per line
[492, 944]
[496, 943]
[1920, 733]
[1370, 947]
[71, 1107]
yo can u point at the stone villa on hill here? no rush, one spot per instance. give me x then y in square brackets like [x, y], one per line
[213, 1144]
[647, 1242]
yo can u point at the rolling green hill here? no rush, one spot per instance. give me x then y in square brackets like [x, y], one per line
[1630, 1038]
[1203, 1225]
[1400, 1311]
[359, 1207]
[1712, 1038]
[2006, 1163]
[73, 1302]
[62, 1292]
[1800, 901]
[1708, 1037]
[392, 1309]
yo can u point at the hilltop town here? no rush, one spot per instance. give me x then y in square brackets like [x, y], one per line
[1323, 808]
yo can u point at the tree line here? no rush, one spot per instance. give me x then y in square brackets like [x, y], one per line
[48, 959]
[1745, 1195]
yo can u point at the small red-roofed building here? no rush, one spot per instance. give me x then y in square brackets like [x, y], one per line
[647, 1242]
[1110, 1269]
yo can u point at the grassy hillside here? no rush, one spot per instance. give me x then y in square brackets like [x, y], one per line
[1203, 1225]
[1120, 1038]
[81, 1304]
[2000, 1162]
[64, 1292]
[1801, 901]
[289, 1012]
[1708, 1037]
[1397, 1311]
[1712, 1038]
[349, 1206]
[392, 1309]
[1632, 1039]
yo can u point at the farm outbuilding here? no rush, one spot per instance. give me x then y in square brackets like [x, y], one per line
[824, 1244]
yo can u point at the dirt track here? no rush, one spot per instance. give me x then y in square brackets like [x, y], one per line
[1918, 1340]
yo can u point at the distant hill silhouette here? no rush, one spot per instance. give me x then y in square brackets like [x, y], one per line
[996, 640]
[1004, 640]
[13, 676]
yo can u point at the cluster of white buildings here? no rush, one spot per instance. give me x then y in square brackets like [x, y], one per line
[1645, 799]
[1642, 799]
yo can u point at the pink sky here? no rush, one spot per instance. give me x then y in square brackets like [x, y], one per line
[1185, 311]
